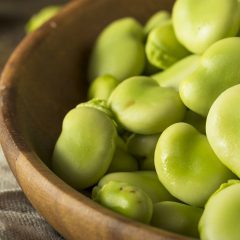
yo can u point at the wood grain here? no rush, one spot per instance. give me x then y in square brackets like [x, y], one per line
[43, 79]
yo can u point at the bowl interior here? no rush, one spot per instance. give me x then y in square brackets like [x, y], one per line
[52, 76]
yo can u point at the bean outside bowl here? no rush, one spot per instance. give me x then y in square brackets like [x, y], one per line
[44, 78]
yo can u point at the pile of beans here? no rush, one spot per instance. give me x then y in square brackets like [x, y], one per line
[159, 139]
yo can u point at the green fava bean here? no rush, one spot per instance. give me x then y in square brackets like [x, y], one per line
[143, 147]
[200, 25]
[102, 87]
[156, 20]
[142, 106]
[102, 105]
[163, 48]
[122, 161]
[177, 217]
[118, 51]
[219, 70]
[125, 199]
[185, 163]
[220, 219]
[84, 150]
[223, 130]
[41, 17]
[178, 72]
[145, 180]
[99, 104]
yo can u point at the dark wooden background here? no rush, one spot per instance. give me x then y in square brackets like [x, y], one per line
[13, 16]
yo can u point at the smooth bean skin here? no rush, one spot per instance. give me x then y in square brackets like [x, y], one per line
[118, 51]
[41, 17]
[219, 70]
[156, 20]
[162, 47]
[99, 104]
[123, 27]
[122, 160]
[200, 25]
[177, 217]
[222, 128]
[84, 150]
[186, 164]
[178, 72]
[141, 106]
[220, 219]
[143, 147]
[102, 87]
[102, 105]
[145, 180]
[125, 199]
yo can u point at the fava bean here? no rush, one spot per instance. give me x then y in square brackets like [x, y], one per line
[80, 157]
[41, 17]
[146, 180]
[200, 25]
[186, 164]
[223, 130]
[102, 87]
[156, 20]
[126, 199]
[163, 48]
[153, 90]
[220, 219]
[122, 160]
[143, 147]
[178, 72]
[140, 105]
[218, 70]
[177, 217]
[118, 51]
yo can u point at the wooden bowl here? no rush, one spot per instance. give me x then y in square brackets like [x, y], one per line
[44, 78]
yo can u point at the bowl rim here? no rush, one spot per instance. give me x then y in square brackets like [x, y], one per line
[20, 154]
